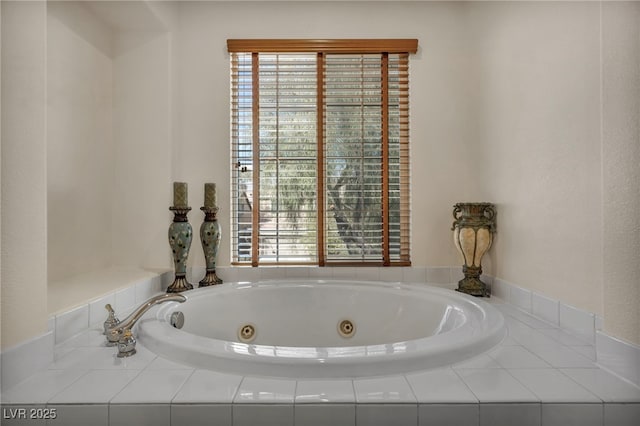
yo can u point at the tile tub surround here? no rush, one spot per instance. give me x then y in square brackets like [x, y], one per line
[540, 375]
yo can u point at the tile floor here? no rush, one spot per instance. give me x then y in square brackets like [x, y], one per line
[539, 375]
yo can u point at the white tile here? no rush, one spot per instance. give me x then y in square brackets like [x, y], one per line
[160, 363]
[139, 415]
[152, 387]
[487, 279]
[95, 387]
[386, 414]
[439, 275]
[605, 385]
[588, 352]
[510, 414]
[509, 341]
[561, 356]
[231, 274]
[456, 274]
[271, 273]
[621, 414]
[496, 385]
[166, 280]
[20, 362]
[546, 308]
[92, 338]
[563, 337]
[249, 274]
[125, 301]
[552, 386]
[440, 386]
[205, 386]
[521, 298]
[370, 273]
[579, 322]
[263, 414]
[479, 361]
[80, 415]
[70, 323]
[390, 274]
[599, 323]
[345, 273]
[325, 414]
[320, 272]
[525, 317]
[414, 274]
[448, 414]
[527, 336]
[297, 272]
[103, 358]
[572, 415]
[195, 274]
[500, 289]
[516, 357]
[257, 390]
[146, 289]
[388, 390]
[324, 391]
[201, 414]
[41, 387]
[618, 356]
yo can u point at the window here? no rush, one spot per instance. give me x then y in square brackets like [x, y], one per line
[320, 146]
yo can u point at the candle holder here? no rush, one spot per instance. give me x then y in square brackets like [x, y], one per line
[210, 236]
[180, 236]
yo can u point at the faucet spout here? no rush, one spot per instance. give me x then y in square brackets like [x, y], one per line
[128, 323]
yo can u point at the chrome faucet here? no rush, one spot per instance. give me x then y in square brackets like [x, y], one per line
[119, 332]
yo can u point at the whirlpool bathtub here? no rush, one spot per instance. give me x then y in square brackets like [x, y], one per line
[318, 329]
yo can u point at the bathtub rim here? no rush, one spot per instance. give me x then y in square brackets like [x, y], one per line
[457, 345]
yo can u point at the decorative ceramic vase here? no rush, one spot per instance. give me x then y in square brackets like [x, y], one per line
[180, 236]
[473, 231]
[210, 236]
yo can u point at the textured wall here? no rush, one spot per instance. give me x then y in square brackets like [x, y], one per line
[510, 103]
[24, 181]
[538, 118]
[80, 158]
[621, 168]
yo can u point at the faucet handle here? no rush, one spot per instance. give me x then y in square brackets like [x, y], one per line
[111, 320]
[126, 344]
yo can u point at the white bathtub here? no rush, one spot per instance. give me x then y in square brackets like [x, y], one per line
[395, 328]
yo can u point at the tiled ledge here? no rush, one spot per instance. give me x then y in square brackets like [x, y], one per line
[539, 375]
[620, 357]
[542, 374]
[20, 362]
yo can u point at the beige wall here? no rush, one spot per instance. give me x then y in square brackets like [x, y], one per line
[80, 153]
[142, 143]
[24, 168]
[538, 121]
[510, 103]
[442, 138]
[621, 168]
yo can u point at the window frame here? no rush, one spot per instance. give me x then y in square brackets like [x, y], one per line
[322, 47]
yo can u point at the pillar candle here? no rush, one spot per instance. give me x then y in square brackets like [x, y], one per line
[180, 198]
[210, 200]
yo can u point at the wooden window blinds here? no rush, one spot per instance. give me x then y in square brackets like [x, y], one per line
[320, 147]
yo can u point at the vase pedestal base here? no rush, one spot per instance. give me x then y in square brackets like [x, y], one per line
[210, 279]
[179, 284]
[473, 286]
